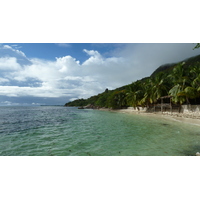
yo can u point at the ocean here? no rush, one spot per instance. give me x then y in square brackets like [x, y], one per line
[66, 131]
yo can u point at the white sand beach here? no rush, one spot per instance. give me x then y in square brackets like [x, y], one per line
[174, 116]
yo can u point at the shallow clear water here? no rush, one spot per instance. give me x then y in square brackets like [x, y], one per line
[63, 131]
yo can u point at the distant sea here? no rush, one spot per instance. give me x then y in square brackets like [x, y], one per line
[65, 131]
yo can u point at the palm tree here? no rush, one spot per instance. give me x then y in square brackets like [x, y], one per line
[180, 81]
[155, 87]
[178, 94]
[195, 74]
[147, 97]
[134, 94]
[159, 86]
[120, 98]
[188, 93]
[117, 99]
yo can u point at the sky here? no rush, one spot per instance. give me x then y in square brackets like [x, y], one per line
[30, 74]
[56, 73]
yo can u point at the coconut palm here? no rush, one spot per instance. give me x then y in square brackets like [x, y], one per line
[120, 98]
[147, 99]
[188, 93]
[195, 74]
[134, 94]
[117, 99]
[180, 81]
[179, 75]
[155, 87]
[159, 86]
[182, 95]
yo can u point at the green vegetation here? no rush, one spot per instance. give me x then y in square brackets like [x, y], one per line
[197, 46]
[179, 80]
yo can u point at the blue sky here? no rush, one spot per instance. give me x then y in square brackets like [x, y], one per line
[55, 73]
[50, 51]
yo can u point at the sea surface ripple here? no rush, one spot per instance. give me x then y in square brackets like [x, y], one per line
[65, 131]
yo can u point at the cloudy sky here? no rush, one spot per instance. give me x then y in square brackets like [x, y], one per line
[55, 73]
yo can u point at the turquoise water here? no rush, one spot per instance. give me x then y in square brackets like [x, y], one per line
[64, 131]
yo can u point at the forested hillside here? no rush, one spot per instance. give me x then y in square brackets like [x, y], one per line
[179, 80]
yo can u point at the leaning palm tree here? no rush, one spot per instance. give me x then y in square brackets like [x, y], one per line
[188, 93]
[178, 94]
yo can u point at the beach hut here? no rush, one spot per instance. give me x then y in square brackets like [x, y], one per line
[166, 102]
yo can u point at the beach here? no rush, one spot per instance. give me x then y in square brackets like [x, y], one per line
[179, 117]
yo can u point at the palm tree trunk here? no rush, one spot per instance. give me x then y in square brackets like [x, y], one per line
[171, 105]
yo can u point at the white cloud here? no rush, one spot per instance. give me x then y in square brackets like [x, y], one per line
[14, 50]
[4, 80]
[61, 77]
[92, 53]
[107, 71]
[44, 91]
[7, 51]
[67, 64]
[95, 58]
[66, 77]
[9, 64]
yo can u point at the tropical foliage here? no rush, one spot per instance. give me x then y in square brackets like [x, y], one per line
[197, 46]
[180, 80]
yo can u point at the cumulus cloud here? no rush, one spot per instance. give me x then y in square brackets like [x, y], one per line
[66, 78]
[9, 64]
[60, 78]
[105, 70]
[67, 64]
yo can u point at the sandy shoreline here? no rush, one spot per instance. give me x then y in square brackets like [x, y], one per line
[175, 117]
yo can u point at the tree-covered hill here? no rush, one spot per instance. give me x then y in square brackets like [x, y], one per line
[169, 66]
[180, 80]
